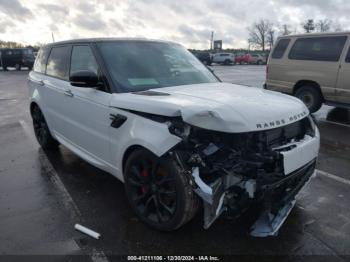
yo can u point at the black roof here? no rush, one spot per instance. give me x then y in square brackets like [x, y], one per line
[104, 39]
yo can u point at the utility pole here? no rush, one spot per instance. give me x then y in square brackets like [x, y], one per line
[53, 38]
[211, 40]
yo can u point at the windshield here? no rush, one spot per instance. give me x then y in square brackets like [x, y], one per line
[140, 65]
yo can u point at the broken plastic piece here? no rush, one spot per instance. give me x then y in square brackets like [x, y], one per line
[205, 191]
[269, 224]
[87, 231]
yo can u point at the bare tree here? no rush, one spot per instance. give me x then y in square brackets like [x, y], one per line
[286, 30]
[337, 27]
[323, 25]
[258, 33]
[309, 26]
[271, 37]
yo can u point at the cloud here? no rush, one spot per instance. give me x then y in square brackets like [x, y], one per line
[54, 8]
[5, 24]
[15, 9]
[184, 21]
[89, 22]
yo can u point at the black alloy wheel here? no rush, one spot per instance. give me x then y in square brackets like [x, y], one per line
[158, 193]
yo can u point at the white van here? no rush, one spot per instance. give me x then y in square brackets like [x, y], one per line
[312, 67]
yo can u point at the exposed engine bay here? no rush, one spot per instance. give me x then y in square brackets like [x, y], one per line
[232, 171]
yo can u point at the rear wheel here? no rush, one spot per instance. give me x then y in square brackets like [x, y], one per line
[311, 97]
[227, 62]
[158, 192]
[259, 62]
[18, 67]
[41, 130]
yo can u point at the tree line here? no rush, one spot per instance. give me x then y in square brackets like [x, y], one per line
[12, 44]
[262, 34]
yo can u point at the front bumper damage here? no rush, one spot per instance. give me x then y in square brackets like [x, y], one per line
[278, 200]
[233, 174]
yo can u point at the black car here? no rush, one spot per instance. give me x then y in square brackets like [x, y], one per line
[16, 57]
[204, 57]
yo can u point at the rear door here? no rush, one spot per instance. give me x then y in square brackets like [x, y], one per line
[56, 97]
[343, 83]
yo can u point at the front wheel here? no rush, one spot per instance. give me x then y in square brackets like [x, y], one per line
[158, 191]
[18, 67]
[311, 97]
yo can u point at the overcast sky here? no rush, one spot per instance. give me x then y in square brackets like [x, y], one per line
[188, 22]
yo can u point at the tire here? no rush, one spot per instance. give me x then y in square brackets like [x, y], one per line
[158, 192]
[41, 130]
[311, 97]
[18, 67]
[227, 62]
[259, 62]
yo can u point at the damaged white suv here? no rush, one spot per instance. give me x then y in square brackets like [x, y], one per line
[151, 114]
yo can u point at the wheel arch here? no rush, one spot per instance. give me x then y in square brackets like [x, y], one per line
[32, 105]
[128, 152]
[302, 83]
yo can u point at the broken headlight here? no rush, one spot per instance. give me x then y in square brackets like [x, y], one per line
[179, 128]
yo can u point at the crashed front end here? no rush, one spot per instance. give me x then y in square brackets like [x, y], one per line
[231, 172]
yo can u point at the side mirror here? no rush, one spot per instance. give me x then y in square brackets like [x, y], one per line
[84, 79]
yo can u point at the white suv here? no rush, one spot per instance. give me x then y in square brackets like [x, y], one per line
[224, 58]
[152, 115]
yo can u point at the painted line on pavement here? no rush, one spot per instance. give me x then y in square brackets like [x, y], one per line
[333, 122]
[54, 177]
[96, 256]
[334, 177]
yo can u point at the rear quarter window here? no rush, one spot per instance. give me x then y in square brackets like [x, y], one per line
[40, 61]
[280, 48]
[318, 48]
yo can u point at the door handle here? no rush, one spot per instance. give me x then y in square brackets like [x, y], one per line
[68, 93]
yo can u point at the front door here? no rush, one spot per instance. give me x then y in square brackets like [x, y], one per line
[89, 111]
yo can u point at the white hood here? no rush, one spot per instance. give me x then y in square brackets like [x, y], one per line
[218, 106]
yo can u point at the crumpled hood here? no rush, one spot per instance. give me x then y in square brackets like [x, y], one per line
[218, 106]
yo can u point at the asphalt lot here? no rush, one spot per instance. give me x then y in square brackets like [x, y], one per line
[43, 195]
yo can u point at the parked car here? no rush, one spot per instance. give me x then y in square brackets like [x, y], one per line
[204, 57]
[256, 59]
[243, 59]
[313, 67]
[17, 57]
[224, 58]
[156, 118]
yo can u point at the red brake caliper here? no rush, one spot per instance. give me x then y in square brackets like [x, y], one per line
[144, 173]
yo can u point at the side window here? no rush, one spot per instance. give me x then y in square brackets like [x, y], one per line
[40, 61]
[347, 59]
[280, 48]
[58, 62]
[318, 48]
[83, 59]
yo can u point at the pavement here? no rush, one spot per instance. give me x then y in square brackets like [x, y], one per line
[43, 194]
